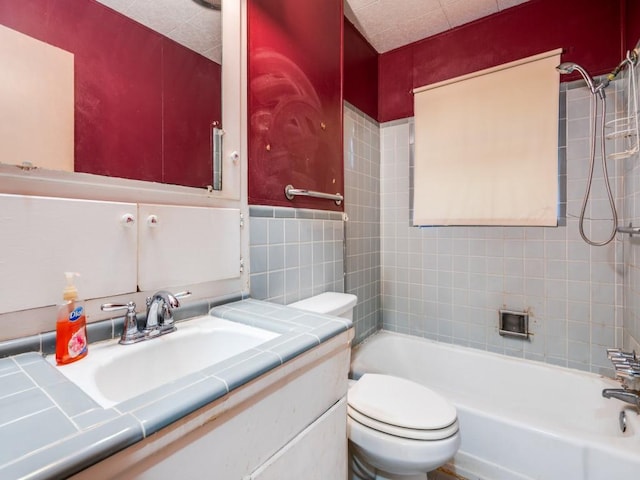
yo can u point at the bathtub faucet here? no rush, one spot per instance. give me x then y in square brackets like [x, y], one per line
[626, 365]
[628, 396]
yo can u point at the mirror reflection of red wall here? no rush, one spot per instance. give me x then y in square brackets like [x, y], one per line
[144, 104]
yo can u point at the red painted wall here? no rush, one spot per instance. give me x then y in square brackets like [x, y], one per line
[360, 71]
[295, 100]
[631, 25]
[589, 31]
[143, 104]
[192, 94]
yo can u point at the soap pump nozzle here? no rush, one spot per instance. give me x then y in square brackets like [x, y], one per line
[70, 291]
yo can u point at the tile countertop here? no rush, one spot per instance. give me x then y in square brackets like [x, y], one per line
[49, 428]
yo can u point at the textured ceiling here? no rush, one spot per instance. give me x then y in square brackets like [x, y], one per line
[386, 24]
[389, 24]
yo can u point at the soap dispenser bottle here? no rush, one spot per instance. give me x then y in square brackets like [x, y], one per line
[71, 326]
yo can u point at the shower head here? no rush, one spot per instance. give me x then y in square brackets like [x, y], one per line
[212, 4]
[568, 67]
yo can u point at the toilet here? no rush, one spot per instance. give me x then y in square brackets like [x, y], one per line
[397, 429]
[329, 303]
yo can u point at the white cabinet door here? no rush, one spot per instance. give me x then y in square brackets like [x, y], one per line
[319, 452]
[43, 237]
[186, 245]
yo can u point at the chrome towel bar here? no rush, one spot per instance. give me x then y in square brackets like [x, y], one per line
[291, 192]
[630, 230]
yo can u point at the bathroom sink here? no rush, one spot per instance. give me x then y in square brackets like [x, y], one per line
[113, 373]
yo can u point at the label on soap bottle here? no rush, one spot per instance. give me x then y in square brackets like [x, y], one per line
[76, 313]
[78, 343]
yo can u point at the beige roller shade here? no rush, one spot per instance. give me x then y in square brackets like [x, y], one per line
[36, 102]
[486, 146]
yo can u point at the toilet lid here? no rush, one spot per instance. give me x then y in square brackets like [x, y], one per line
[400, 403]
[410, 433]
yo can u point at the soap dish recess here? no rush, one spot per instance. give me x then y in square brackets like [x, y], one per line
[513, 324]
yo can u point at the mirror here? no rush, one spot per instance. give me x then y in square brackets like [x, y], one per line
[145, 102]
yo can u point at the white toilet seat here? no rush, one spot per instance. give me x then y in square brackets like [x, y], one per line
[409, 433]
[401, 407]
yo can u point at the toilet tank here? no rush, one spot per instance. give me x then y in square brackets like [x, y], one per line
[330, 303]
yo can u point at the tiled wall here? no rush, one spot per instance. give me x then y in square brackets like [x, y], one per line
[295, 253]
[448, 283]
[362, 206]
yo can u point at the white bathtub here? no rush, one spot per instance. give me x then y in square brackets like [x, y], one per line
[519, 420]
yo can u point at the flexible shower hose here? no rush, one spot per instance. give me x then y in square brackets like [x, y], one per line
[614, 220]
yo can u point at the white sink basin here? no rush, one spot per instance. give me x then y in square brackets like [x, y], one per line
[112, 373]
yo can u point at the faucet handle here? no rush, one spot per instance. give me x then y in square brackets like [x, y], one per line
[615, 353]
[111, 307]
[130, 332]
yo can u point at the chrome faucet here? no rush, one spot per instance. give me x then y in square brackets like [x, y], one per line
[159, 317]
[160, 312]
[627, 368]
[626, 395]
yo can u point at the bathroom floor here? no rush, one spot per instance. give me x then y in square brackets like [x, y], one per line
[443, 474]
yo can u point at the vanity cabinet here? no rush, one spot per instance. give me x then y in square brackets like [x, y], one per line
[179, 245]
[319, 452]
[289, 423]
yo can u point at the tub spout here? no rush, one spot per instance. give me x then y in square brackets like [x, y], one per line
[628, 396]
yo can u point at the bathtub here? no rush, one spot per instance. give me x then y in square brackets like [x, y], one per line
[519, 419]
